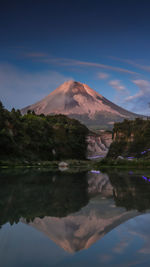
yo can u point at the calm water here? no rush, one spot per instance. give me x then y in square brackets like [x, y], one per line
[67, 219]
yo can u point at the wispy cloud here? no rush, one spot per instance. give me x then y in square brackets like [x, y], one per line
[78, 63]
[133, 63]
[121, 246]
[116, 84]
[102, 75]
[140, 229]
[105, 258]
[144, 89]
[71, 62]
[19, 88]
[141, 100]
[35, 55]
[121, 92]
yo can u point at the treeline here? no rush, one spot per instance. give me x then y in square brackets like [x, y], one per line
[40, 137]
[131, 138]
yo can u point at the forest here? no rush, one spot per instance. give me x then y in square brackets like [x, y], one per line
[39, 137]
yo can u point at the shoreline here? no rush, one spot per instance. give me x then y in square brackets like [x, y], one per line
[122, 163]
[74, 163]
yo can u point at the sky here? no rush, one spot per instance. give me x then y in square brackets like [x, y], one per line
[102, 43]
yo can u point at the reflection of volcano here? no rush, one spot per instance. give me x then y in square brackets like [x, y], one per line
[56, 203]
[80, 230]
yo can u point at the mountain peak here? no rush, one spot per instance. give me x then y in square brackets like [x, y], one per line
[79, 101]
[70, 85]
[67, 84]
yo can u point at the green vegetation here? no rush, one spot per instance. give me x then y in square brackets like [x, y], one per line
[38, 137]
[106, 163]
[131, 139]
[74, 165]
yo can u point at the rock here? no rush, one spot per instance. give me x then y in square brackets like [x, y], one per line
[98, 144]
[63, 164]
[120, 157]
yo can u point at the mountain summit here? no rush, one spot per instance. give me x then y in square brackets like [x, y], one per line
[78, 100]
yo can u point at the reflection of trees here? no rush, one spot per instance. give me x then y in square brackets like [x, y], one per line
[31, 194]
[130, 191]
[38, 194]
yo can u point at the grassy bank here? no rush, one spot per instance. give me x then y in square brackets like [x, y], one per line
[111, 163]
[72, 163]
[78, 164]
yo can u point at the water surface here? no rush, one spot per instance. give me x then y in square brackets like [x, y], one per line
[52, 218]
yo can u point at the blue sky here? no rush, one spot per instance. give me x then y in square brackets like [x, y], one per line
[104, 44]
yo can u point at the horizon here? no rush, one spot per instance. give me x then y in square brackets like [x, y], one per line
[102, 44]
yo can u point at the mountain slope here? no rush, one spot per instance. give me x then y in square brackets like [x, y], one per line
[79, 101]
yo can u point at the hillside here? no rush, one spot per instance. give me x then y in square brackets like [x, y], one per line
[40, 137]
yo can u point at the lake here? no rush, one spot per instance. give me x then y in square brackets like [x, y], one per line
[54, 218]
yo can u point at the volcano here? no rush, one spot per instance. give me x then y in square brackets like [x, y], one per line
[77, 100]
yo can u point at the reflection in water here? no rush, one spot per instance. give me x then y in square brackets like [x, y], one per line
[38, 194]
[99, 184]
[80, 230]
[73, 209]
[130, 191]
